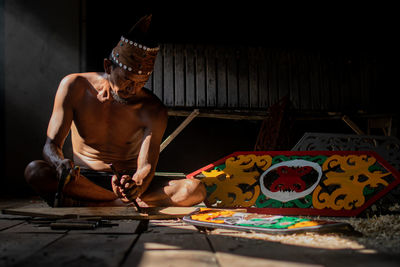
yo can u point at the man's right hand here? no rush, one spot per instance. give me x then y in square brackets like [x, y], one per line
[66, 165]
[116, 186]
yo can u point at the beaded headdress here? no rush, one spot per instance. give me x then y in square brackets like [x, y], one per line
[136, 54]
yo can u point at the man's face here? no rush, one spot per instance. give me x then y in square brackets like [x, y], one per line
[126, 84]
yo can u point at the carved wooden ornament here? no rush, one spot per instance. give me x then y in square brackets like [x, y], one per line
[325, 183]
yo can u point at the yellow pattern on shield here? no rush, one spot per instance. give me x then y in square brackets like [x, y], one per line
[350, 174]
[235, 184]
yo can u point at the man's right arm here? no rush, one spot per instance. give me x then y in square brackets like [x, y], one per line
[60, 124]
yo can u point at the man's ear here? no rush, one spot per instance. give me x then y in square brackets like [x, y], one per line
[107, 65]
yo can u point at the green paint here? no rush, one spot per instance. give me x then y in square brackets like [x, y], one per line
[368, 190]
[317, 159]
[279, 159]
[280, 223]
[210, 189]
[376, 167]
[220, 167]
[263, 202]
[306, 204]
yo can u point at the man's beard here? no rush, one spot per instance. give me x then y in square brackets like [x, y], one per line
[118, 98]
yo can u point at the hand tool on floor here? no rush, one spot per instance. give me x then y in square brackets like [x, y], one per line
[119, 178]
[64, 179]
[84, 223]
[74, 225]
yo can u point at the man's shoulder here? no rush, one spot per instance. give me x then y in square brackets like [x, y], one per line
[75, 79]
[75, 84]
[153, 105]
[152, 100]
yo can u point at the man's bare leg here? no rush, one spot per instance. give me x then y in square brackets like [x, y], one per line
[179, 193]
[42, 177]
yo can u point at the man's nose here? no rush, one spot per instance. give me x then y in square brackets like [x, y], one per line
[132, 86]
[129, 86]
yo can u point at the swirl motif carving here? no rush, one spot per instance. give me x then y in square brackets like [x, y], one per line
[349, 176]
[235, 184]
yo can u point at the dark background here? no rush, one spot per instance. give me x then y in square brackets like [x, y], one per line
[334, 28]
[94, 27]
[336, 24]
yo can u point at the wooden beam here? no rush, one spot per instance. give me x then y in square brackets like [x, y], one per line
[352, 125]
[179, 129]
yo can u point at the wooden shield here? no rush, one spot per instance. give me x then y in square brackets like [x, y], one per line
[324, 183]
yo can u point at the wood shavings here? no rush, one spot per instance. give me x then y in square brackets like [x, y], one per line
[395, 207]
[379, 233]
[322, 241]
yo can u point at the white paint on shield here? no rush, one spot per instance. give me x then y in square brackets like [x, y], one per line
[286, 196]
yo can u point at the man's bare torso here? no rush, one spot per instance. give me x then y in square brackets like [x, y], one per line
[107, 132]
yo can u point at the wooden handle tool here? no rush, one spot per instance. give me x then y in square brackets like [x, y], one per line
[64, 179]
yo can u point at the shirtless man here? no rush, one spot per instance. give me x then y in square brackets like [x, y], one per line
[113, 120]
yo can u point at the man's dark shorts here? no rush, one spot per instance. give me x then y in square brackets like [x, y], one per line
[100, 178]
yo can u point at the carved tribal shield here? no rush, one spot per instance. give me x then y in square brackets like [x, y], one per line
[325, 183]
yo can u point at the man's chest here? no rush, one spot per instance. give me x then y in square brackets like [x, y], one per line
[108, 123]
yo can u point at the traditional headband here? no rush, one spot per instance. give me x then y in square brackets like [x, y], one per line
[133, 56]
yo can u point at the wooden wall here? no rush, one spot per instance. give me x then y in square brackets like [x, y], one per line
[254, 77]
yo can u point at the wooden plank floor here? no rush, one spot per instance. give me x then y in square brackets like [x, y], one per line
[172, 243]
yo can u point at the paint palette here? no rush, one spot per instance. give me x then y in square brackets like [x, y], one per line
[320, 183]
[210, 219]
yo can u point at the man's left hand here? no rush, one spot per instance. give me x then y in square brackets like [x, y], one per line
[126, 188]
[129, 187]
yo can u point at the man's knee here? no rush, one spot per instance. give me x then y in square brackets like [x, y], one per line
[195, 191]
[37, 171]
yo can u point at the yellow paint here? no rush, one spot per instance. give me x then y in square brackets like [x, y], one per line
[349, 194]
[208, 217]
[304, 224]
[240, 170]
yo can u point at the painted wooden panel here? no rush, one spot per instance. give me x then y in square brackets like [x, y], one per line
[325, 183]
[238, 220]
[243, 77]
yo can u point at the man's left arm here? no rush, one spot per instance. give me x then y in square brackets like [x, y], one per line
[156, 123]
